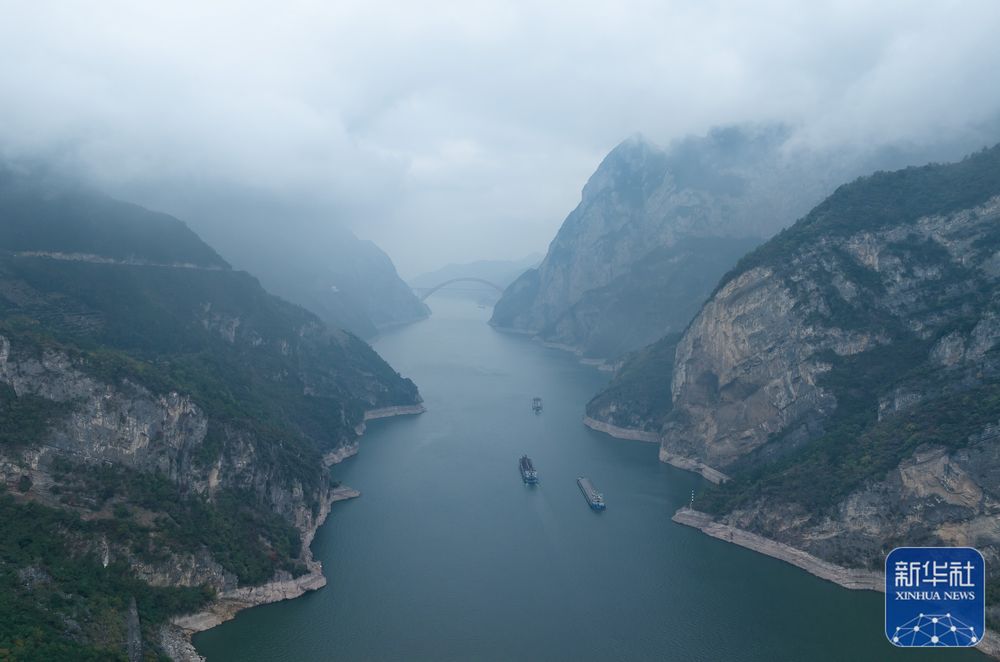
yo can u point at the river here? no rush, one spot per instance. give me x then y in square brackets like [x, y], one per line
[447, 555]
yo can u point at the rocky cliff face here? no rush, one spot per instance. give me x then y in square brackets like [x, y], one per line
[753, 362]
[164, 422]
[845, 374]
[126, 425]
[654, 231]
[657, 295]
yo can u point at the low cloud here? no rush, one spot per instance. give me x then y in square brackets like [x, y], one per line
[454, 131]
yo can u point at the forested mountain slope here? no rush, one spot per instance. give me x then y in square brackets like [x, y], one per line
[164, 422]
[846, 374]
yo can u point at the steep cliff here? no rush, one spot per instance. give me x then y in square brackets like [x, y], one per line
[638, 397]
[165, 422]
[654, 231]
[846, 374]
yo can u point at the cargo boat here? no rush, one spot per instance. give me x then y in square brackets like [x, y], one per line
[536, 405]
[594, 498]
[528, 473]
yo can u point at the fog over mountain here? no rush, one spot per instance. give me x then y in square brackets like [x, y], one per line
[450, 132]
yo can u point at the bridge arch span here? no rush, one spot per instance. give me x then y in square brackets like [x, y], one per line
[464, 279]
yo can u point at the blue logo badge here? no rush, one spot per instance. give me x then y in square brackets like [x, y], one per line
[935, 596]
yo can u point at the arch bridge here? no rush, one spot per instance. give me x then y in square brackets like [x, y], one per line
[466, 279]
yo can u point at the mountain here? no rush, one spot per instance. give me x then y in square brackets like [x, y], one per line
[846, 374]
[647, 217]
[297, 249]
[164, 426]
[350, 283]
[656, 228]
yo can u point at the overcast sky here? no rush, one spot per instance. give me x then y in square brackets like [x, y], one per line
[462, 130]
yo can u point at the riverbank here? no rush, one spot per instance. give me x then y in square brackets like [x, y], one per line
[341, 454]
[350, 450]
[385, 605]
[387, 412]
[852, 578]
[601, 364]
[630, 434]
[710, 474]
[398, 410]
[176, 638]
[846, 577]
[633, 434]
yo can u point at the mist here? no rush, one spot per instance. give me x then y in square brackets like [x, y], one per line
[452, 132]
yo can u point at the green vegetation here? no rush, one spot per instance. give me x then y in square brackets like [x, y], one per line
[57, 602]
[241, 533]
[275, 388]
[640, 392]
[63, 217]
[148, 338]
[856, 450]
[516, 298]
[881, 200]
[23, 420]
[165, 329]
[855, 447]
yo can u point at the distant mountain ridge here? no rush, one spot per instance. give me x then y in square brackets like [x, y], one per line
[656, 228]
[304, 255]
[349, 282]
[65, 217]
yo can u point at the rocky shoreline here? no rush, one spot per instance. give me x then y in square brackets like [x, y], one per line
[510, 329]
[852, 578]
[679, 461]
[341, 454]
[630, 434]
[601, 364]
[846, 577]
[175, 638]
[690, 464]
[399, 410]
[386, 412]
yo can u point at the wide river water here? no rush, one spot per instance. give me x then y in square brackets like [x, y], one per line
[447, 555]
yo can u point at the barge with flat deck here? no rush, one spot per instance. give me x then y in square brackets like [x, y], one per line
[594, 498]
